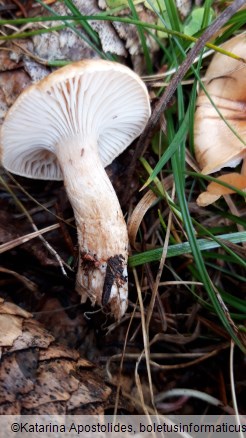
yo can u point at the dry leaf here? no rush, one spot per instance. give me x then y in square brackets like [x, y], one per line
[137, 215]
[11, 85]
[66, 44]
[130, 35]
[10, 329]
[38, 376]
[110, 41]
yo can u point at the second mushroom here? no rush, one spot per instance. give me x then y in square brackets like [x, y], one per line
[220, 123]
[70, 126]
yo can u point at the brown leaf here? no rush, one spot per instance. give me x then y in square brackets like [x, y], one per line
[10, 329]
[137, 215]
[11, 321]
[53, 408]
[10, 408]
[90, 391]
[33, 335]
[52, 384]
[12, 309]
[12, 83]
[38, 376]
[7, 62]
[58, 351]
[13, 382]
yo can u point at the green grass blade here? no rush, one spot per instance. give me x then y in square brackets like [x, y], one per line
[180, 249]
[178, 138]
[93, 44]
[142, 38]
[88, 29]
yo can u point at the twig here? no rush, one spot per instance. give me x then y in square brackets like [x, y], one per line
[21, 7]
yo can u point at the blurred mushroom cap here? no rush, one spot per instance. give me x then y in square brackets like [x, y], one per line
[216, 145]
[215, 190]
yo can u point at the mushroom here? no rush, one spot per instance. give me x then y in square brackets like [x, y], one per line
[70, 126]
[216, 144]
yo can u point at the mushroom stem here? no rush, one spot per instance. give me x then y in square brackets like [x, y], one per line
[102, 232]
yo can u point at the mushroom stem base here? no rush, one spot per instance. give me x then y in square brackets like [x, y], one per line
[104, 282]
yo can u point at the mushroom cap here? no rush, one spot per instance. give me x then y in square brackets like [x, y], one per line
[100, 101]
[216, 146]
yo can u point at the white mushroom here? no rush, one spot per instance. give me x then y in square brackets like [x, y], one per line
[70, 126]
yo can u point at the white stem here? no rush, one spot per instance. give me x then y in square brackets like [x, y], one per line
[102, 232]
